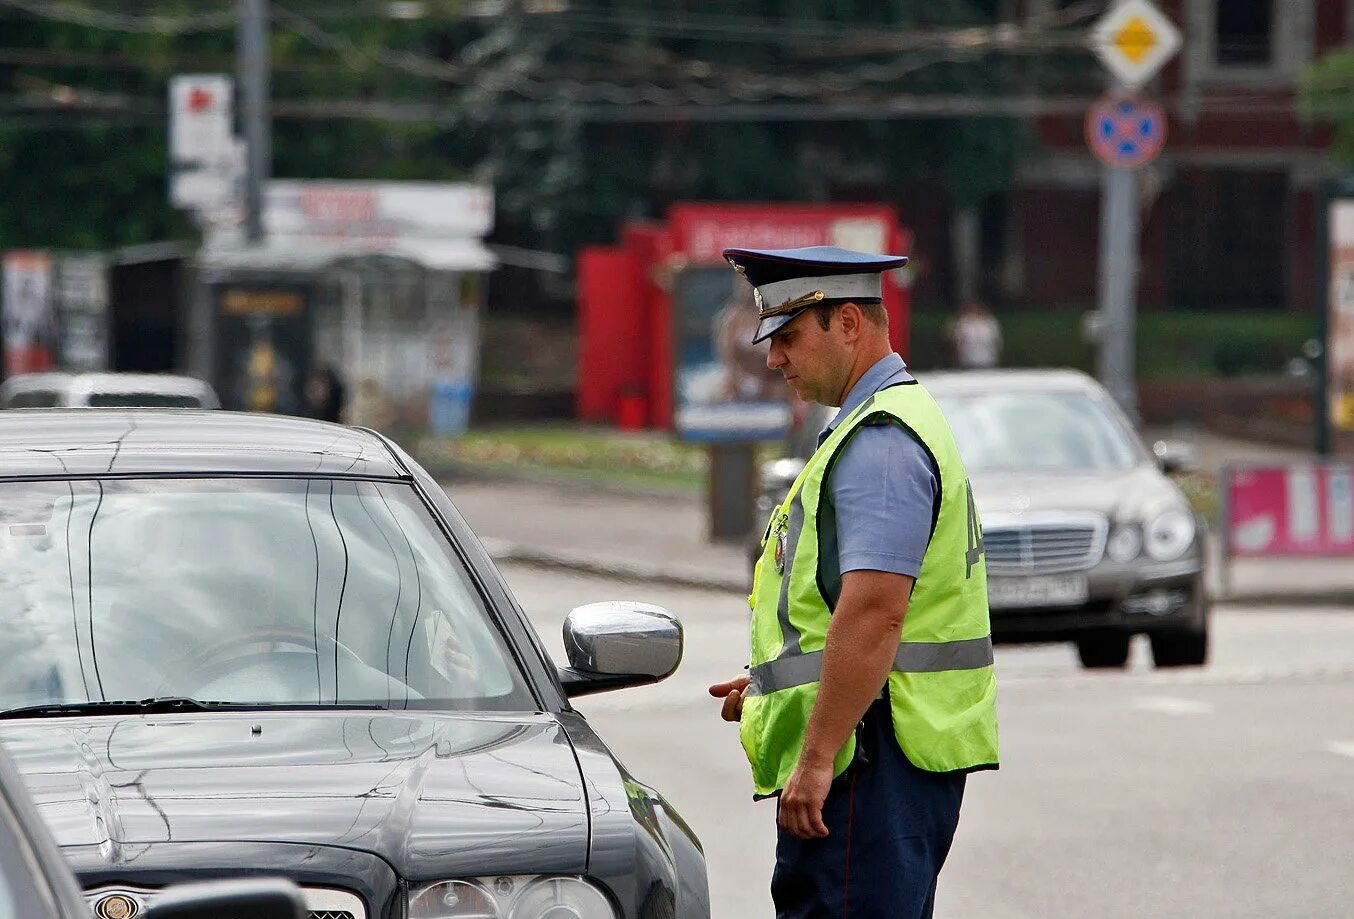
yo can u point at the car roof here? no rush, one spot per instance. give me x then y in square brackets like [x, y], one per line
[108, 382]
[119, 441]
[968, 382]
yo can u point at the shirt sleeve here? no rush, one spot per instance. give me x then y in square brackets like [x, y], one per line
[884, 489]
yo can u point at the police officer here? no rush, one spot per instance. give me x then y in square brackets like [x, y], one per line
[870, 692]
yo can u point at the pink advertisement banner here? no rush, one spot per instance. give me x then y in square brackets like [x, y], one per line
[1300, 509]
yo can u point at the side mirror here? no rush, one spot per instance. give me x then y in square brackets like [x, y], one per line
[1175, 456]
[617, 644]
[261, 898]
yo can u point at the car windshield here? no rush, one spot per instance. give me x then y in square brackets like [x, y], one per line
[255, 591]
[34, 398]
[143, 400]
[1036, 431]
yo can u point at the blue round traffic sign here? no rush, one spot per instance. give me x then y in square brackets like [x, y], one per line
[1125, 131]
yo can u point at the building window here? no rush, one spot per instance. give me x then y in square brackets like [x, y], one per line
[1244, 33]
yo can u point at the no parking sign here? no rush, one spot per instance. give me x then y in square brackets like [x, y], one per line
[1125, 131]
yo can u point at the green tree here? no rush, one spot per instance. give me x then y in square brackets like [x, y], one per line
[1327, 95]
[577, 115]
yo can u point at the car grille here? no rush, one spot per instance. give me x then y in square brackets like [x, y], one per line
[327, 903]
[1043, 546]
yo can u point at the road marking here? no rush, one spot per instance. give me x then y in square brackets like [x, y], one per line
[1169, 705]
[1341, 747]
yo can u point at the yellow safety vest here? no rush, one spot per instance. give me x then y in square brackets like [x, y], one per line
[942, 688]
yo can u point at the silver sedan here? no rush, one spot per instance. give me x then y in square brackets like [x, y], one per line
[1085, 536]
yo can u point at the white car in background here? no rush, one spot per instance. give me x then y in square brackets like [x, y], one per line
[106, 390]
[1086, 537]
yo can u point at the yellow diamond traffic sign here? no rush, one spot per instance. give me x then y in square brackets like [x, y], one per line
[1134, 39]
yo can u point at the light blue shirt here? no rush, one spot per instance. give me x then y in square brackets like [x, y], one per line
[883, 488]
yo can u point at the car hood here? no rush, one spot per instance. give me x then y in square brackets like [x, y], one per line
[1116, 494]
[430, 794]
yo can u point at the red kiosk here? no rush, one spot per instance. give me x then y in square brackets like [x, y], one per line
[627, 317]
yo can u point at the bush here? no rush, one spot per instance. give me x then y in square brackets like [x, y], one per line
[1176, 344]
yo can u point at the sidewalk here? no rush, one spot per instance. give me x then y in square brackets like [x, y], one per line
[660, 536]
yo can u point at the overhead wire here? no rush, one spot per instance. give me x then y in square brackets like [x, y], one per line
[162, 24]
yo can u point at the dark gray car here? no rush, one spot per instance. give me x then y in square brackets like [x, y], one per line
[36, 883]
[1086, 538]
[249, 643]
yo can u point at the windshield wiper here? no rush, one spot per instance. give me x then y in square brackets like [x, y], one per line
[158, 704]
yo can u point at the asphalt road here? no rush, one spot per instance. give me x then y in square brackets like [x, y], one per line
[1222, 791]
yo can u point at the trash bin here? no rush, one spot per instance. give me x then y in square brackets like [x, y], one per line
[632, 410]
[449, 408]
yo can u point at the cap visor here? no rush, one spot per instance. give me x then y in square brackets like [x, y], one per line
[768, 327]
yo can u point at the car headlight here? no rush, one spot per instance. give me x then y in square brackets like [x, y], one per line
[510, 897]
[1126, 543]
[1167, 535]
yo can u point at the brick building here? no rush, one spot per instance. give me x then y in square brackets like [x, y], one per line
[1229, 209]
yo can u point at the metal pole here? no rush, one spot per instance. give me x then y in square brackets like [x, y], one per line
[253, 65]
[1321, 399]
[1118, 283]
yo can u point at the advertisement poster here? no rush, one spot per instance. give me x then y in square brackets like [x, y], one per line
[263, 346]
[82, 312]
[1340, 321]
[724, 392]
[1306, 509]
[29, 317]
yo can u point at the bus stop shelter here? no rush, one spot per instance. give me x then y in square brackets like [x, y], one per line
[398, 325]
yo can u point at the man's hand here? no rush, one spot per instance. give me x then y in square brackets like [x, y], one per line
[731, 691]
[801, 802]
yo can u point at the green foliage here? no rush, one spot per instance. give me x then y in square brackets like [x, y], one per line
[501, 99]
[1327, 95]
[587, 454]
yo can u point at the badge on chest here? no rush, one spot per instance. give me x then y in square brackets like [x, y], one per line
[782, 541]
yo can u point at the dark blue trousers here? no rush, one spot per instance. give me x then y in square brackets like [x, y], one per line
[890, 826]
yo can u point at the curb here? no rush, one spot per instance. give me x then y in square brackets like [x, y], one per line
[1297, 598]
[670, 576]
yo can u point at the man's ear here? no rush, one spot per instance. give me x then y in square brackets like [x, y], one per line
[851, 318]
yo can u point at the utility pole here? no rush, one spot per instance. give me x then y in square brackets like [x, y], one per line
[253, 64]
[1133, 40]
[1118, 286]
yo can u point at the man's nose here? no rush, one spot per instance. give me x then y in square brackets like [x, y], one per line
[774, 357]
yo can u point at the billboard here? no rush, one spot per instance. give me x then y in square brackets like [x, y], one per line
[263, 346]
[82, 313]
[723, 390]
[1340, 319]
[1302, 509]
[29, 315]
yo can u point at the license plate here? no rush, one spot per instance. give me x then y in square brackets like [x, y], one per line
[1044, 590]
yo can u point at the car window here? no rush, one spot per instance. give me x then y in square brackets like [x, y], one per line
[34, 398]
[142, 400]
[241, 590]
[1036, 431]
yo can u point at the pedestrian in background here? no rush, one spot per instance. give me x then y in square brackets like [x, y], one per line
[324, 393]
[870, 693]
[975, 337]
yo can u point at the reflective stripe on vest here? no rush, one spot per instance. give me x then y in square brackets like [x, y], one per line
[911, 657]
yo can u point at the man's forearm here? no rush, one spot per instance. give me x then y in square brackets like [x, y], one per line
[861, 644]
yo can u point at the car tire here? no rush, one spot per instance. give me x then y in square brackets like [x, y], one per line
[1180, 649]
[1103, 651]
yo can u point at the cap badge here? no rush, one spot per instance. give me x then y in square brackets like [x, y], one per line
[786, 307]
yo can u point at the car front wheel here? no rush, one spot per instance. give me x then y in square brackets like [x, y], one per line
[1099, 651]
[1180, 649]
